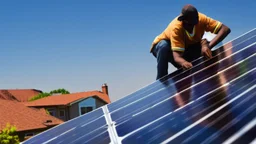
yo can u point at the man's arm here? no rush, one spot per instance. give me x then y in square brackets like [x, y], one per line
[178, 47]
[222, 34]
[177, 56]
[206, 51]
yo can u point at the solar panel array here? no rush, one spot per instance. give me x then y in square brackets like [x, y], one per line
[214, 102]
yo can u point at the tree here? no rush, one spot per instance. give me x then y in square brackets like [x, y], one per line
[8, 135]
[59, 91]
[45, 94]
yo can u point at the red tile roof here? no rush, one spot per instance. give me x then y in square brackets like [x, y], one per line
[21, 95]
[24, 118]
[66, 99]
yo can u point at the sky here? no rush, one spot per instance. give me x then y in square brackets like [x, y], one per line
[79, 45]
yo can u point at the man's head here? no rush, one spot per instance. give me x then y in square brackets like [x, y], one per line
[189, 15]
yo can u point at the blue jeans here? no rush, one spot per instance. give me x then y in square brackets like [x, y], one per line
[163, 53]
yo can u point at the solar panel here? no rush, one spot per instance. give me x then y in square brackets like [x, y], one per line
[214, 102]
[89, 128]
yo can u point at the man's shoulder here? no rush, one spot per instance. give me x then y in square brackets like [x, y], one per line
[202, 16]
[175, 25]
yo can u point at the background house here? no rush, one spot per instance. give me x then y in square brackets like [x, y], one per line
[69, 106]
[28, 121]
[20, 95]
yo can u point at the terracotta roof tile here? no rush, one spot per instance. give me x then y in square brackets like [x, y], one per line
[66, 99]
[24, 118]
[21, 95]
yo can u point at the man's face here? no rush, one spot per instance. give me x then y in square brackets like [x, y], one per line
[191, 20]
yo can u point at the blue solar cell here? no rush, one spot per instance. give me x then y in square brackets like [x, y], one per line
[101, 138]
[219, 120]
[173, 122]
[131, 120]
[241, 116]
[248, 137]
[86, 133]
[235, 45]
[71, 127]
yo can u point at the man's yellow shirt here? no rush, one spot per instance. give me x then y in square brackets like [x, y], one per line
[180, 38]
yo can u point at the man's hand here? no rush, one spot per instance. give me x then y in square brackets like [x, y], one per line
[181, 61]
[206, 51]
[186, 65]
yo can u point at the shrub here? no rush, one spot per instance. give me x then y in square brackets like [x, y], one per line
[8, 135]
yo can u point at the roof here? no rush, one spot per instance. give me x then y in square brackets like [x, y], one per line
[21, 95]
[67, 99]
[23, 117]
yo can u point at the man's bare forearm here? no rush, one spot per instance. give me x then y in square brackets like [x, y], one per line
[178, 57]
[222, 34]
[181, 61]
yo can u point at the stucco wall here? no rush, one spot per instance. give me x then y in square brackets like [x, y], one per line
[99, 103]
[73, 111]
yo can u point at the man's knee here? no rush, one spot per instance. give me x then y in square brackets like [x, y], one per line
[163, 49]
[164, 46]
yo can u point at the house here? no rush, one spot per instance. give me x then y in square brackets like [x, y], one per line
[28, 121]
[69, 106]
[20, 95]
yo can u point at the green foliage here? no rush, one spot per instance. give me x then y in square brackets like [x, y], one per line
[8, 135]
[47, 112]
[39, 96]
[59, 91]
[45, 94]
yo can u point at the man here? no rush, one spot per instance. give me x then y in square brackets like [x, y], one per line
[181, 42]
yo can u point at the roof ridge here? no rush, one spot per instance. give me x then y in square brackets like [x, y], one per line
[8, 95]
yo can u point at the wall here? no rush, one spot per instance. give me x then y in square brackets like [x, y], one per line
[73, 111]
[99, 103]
[57, 110]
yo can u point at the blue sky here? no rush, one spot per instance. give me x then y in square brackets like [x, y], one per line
[79, 45]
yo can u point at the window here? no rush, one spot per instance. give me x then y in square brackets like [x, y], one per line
[62, 113]
[52, 111]
[85, 110]
[29, 134]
